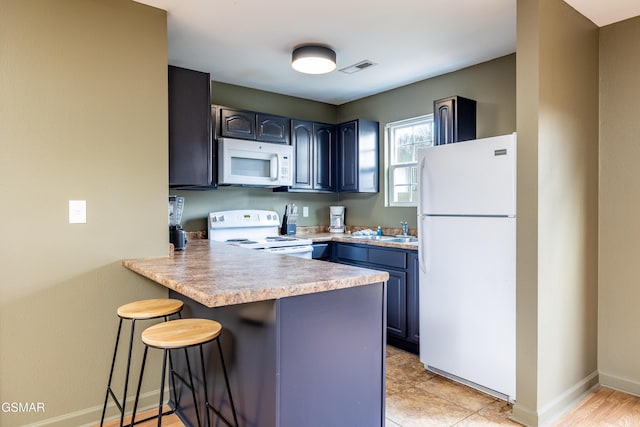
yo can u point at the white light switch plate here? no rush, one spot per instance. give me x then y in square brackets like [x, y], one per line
[77, 211]
[305, 211]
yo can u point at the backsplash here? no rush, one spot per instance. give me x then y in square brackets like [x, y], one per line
[319, 229]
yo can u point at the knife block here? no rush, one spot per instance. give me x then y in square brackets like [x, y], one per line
[287, 229]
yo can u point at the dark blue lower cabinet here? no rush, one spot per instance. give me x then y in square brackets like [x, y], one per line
[403, 323]
[313, 360]
[397, 304]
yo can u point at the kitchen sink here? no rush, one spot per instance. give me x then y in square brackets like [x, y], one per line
[374, 237]
[406, 239]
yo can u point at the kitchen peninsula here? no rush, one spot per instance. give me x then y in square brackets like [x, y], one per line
[303, 340]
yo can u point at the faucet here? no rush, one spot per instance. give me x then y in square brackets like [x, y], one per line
[405, 228]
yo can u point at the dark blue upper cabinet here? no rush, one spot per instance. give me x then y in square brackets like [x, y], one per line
[314, 146]
[237, 124]
[454, 120]
[302, 139]
[358, 142]
[250, 125]
[192, 159]
[324, 149]
[270, 128]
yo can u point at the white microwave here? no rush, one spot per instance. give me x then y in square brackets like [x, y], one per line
[256, 163]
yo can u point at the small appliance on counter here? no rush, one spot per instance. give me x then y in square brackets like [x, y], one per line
[336, 214]
[289, 220]
[177, 235]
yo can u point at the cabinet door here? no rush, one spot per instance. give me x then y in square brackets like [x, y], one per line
[237, 124]
[273, 128]
[443, 121]
[454, 119]
[348, 157]
[191, 155]
[321, 251]
[413, 307]
[397, 303]
[302, 140]
[323, 157]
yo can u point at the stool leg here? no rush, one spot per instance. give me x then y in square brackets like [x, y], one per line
[204, 383]
[164, 369]
[113, 364]
[173, 381]
[126, 376]
[135, 403]
[226, 380]
[193, 389]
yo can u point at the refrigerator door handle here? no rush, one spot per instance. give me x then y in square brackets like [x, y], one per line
[421, 185]
[421, 259]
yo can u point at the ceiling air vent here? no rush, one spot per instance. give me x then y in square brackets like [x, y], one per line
[358, 67]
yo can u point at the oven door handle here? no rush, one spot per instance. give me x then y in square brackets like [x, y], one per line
[289, 249]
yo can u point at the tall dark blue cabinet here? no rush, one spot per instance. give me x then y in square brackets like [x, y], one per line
[192, 158]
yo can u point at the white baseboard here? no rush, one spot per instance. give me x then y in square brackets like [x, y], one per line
[525, 416]
[558, 406]
[90, 417]
[620, 384]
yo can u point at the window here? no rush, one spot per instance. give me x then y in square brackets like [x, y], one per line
[403, 139]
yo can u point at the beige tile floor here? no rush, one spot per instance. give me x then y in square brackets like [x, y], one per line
[417, 398]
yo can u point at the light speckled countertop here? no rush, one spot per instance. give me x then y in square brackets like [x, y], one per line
[216, 274]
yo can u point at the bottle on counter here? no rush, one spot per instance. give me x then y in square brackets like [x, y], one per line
[379, 231]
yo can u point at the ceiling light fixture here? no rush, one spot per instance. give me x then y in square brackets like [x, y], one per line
[313, 59]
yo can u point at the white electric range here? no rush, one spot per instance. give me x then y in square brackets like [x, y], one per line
[256, 229]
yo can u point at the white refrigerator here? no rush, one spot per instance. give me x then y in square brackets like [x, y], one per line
[467, 258]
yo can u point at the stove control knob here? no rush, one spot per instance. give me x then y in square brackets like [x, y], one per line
[221, 218]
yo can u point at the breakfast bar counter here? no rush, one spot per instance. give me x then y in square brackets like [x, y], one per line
[216, 274]
[303, 340]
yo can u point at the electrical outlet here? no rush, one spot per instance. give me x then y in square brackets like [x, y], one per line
[305, 211]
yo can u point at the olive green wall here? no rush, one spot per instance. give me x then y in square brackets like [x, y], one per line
[492, 84]
[619, 293]
[557, 250]
[83, 115]
[270, 102]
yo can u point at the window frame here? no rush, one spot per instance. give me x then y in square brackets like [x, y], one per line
[390, 166]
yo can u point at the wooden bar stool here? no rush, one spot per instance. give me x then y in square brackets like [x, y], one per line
[182, 334]
[137, 310]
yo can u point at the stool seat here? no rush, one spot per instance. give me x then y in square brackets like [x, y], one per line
[181, 333]
[150, 308]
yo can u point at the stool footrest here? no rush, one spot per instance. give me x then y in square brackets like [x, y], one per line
[115, 399]
[222, 417]
[169, 412]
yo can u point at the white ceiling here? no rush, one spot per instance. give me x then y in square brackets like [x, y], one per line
[605, 12]
[249, 42]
